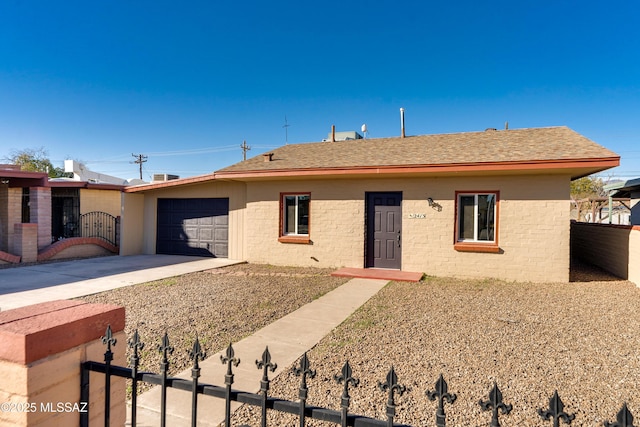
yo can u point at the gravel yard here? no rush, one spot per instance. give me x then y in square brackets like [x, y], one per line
[221, 305]
[581, 338]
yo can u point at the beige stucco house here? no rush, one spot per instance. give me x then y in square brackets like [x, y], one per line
[477, 204]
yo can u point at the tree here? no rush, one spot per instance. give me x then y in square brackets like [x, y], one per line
[587, 187]
[35, 160]
[584, 192]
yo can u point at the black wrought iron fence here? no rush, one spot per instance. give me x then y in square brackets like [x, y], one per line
[100, 224]
[494, 402]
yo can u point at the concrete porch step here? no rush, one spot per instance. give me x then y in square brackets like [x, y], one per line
[379, 273]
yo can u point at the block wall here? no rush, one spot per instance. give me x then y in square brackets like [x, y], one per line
[533, 225]
[603, 245]
[614, 248]
[634, 255]
[43, 348]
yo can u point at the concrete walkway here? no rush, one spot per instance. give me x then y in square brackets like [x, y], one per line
[288, 339]
[22, 286]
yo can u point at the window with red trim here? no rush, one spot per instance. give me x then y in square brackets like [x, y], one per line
[294, 217]
[476, 225]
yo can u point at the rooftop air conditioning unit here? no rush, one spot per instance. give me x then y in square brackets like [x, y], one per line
[161, 177]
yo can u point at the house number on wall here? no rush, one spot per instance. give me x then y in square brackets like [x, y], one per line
[418, 215]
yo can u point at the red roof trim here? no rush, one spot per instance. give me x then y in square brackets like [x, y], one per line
[599, 163]
[172, 183]
[606, 162]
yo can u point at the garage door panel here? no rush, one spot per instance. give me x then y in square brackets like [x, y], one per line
[208, 221]
[208, 234]
[222, 250]
[192, 233]
[193, 227]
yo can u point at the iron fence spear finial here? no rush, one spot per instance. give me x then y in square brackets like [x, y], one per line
[347, 378]
[195, 354]
[495, 403]
[165, 349]
[230, 361]
[109, 341]
[392, 386]
[556, 411]
[304, 370]
[441, 392]
[266, 365]
[135, 345]
[623, 419]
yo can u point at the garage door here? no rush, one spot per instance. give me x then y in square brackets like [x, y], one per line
[198, 227]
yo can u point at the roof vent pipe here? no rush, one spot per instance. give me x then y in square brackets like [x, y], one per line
[267, 157]
[402, 121]
[333, 133]
[506, 125]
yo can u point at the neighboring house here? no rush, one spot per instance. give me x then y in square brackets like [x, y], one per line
[37, 214]
[629, 189]
[477, 204]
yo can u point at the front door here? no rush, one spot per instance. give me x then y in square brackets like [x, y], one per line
[384, 226]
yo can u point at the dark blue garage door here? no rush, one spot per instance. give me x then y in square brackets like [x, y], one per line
[198, 227]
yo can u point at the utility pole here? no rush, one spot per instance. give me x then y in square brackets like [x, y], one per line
[139, 160]
[245, 148]
[286, 131]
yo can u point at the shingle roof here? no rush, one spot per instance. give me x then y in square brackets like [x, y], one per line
[545, 149]
[491, 146]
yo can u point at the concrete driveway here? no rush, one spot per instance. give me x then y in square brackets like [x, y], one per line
[21, 286]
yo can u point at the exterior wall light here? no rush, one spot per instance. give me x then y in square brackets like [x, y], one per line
[434, 205]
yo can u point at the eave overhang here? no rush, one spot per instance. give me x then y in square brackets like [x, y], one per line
[576, 168]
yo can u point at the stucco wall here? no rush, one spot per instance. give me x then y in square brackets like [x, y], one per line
[92, 200]
[146, 214]
[132, 226]
[533, 225]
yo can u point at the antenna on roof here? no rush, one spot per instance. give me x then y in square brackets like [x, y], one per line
[286, 130]
[364, 130]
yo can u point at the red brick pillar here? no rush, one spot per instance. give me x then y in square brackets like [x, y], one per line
[42, 348]
[40, 202]
[25, 242]
[12, 198]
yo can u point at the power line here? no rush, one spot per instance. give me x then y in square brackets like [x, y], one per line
[194, 151]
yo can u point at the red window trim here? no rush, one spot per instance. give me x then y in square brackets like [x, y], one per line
[287, 238]
[489, 247]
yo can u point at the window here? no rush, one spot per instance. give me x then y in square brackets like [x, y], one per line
[476, 222]
[294, 217]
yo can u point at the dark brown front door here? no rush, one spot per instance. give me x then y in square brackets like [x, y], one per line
[384, 224]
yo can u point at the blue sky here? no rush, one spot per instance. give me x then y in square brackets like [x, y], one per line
[184, 83]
